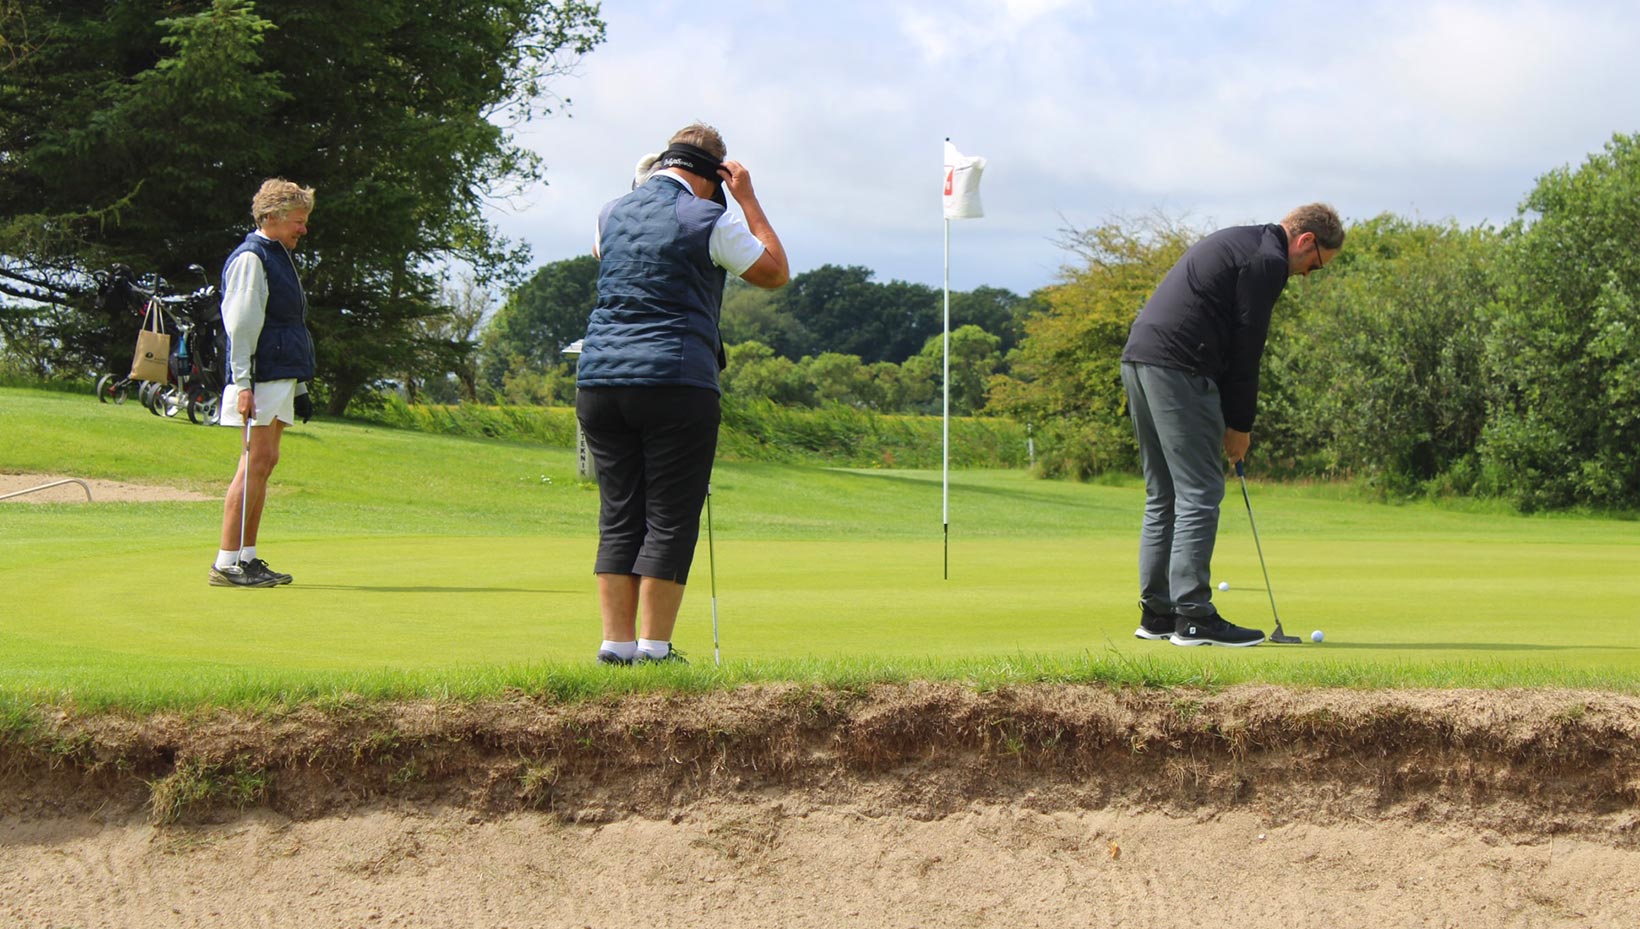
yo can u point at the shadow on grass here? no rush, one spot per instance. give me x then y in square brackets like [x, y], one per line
[437, 590]
[1469, 647]
[1007, 493]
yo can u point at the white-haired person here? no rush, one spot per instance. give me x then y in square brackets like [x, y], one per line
[270, 361]
[647, 383]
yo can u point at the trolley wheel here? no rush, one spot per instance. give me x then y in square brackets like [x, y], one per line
[207, 411]
[105, 385]
[169, 402]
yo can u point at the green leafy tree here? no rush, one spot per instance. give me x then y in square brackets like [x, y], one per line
[974, 358]
[908, 387]
[548, 312]
[756, 372]
[840, 309]
[1375, 367]
[1563, 353]
[838, 378]
[1067, 371]
[447, 366]
[120, 131]
[752, 314]
[997, 310]
[138, 131]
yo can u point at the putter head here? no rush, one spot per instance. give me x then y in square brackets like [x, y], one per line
[1281, 638]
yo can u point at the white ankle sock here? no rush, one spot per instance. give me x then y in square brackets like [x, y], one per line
[248, 553]
[624, 650]
[226, 559]
[655, 648]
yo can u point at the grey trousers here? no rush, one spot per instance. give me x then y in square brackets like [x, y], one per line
[1180, 427]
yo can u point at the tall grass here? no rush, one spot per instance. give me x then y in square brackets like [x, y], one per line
[753, 430]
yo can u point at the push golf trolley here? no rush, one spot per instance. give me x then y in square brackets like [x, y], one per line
[187, 329]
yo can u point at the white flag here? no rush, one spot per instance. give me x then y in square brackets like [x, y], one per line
[962, 184]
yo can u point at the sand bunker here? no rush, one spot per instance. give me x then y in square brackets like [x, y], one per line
[101, 491]
[903, 806]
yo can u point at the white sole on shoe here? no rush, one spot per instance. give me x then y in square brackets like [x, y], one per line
[1187, 643]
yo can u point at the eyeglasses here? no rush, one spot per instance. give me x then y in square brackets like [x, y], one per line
[1319, 264]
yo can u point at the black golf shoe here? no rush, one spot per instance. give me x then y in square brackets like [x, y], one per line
[1157, 627]
[672, 657]
[605, 656]
[256, 567]
[237, 576]
[1213, 630]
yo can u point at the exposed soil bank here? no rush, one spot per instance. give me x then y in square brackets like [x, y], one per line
[919, 805]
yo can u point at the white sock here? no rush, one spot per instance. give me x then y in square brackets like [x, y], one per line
[655, 648]
[226, 559]
[247, 553]
[623, 650]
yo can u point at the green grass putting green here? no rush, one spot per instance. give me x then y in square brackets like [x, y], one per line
[438, 565]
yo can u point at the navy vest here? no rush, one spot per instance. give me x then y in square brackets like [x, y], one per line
[659, 294]
[284, 349]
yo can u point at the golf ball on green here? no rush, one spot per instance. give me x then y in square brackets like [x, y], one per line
[1316, 636]
[1224, 585]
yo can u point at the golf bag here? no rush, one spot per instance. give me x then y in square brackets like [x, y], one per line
[199, 355]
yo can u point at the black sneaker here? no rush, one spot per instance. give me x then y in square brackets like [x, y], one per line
[256, 567]
[605, 656]
[672, 657]
[236, 576]
[1213, 630]
[1157, 627]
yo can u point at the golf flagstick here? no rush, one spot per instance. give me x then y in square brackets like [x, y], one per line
[945, 413]
[959, 201]
[1279, 637]
[711, 561]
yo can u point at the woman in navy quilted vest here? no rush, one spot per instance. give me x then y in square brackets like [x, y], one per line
[270, 361]
[647, 385]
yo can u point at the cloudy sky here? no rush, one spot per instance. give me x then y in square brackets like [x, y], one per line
[1216, 111]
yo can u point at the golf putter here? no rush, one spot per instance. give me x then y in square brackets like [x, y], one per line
[1279, 637]
[711, 561]
[245, 485]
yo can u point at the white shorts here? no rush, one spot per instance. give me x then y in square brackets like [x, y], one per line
[274, 400]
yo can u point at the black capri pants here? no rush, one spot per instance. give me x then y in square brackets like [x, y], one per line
[652, 448]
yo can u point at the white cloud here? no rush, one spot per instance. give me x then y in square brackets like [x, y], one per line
[943, 31]
[1220, 110]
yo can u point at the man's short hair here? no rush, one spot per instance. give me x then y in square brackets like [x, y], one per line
[277, 196]
[703, 137]
[1320, 219]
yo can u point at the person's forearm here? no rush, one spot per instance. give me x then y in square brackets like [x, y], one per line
[758, 224]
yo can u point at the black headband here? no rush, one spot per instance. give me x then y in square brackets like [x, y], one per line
[694, 160]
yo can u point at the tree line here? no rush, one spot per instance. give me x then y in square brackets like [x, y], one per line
[833, 335]
[1426, 358]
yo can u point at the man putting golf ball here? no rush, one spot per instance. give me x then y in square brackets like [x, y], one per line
[1190, 370]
